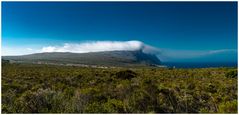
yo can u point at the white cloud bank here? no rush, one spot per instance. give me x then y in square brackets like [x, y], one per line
[98, 46]
[85, 47]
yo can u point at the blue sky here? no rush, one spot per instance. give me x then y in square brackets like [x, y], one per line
[177, 27]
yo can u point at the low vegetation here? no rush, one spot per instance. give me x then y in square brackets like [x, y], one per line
[60, 89]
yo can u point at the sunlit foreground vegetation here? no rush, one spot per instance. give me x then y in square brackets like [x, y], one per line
[62, 89]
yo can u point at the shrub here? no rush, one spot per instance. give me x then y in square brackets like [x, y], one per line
[114, 106]
[231, 74]
[41, 101]
[28, 88]
[228, 107]
[127, 74]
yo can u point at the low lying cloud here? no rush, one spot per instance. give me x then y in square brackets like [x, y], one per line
[98, 46]
[194, 53]
[221, 51]
[163, 54]
[169, 54]
[29, 49]
[85, 47]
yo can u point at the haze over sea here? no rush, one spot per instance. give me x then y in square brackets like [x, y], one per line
[199, 64]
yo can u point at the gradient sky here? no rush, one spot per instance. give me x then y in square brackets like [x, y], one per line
[182, 26]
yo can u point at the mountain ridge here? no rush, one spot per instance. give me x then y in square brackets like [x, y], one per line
[104, 58]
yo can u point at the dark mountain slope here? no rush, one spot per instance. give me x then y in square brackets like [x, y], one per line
[109, 58]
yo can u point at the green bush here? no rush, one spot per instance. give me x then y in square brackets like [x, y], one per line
[228, 107]
[231, 74]
[127, 74]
